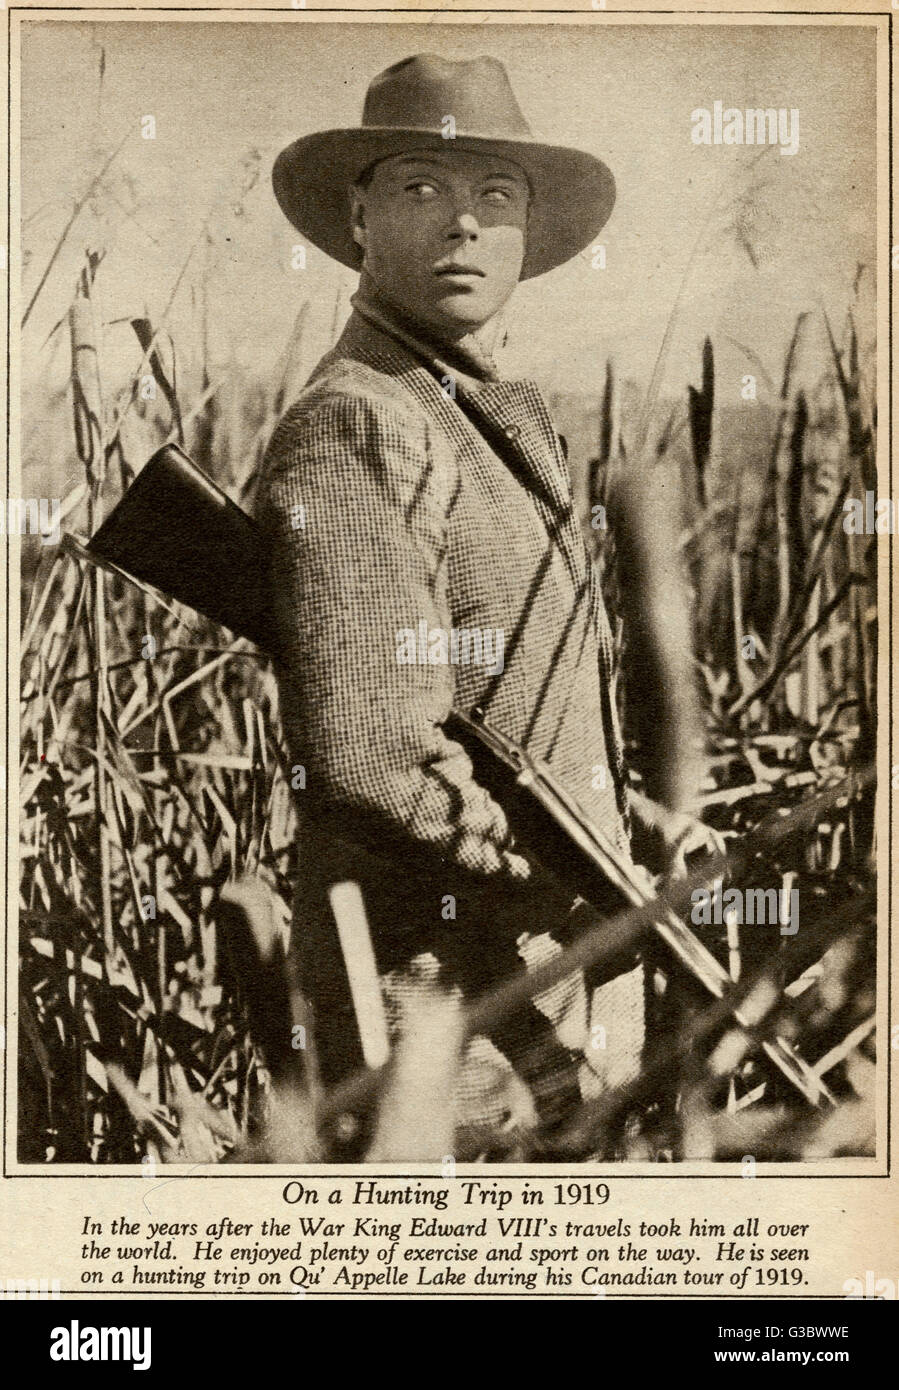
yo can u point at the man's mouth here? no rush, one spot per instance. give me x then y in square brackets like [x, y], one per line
[460, 271]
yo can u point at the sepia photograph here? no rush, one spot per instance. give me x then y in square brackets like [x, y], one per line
[449, 702]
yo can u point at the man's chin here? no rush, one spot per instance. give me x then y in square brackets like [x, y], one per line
[463, 312]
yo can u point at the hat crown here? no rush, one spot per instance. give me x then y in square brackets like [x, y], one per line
[420, 92]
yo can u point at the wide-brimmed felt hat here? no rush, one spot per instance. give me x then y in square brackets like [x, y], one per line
[572, 192]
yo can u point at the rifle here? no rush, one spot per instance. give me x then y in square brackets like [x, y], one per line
[587, 861]
[224, 577]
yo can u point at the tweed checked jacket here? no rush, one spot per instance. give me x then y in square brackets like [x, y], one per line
[407, 486]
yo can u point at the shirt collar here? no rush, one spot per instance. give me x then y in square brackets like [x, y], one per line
[466, 358]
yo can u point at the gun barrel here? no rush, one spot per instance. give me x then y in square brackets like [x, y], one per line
[603, 863]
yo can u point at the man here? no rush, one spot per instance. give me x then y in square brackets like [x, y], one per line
[426, 552]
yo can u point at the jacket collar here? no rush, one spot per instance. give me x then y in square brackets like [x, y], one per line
[511, 414]
[466, 359]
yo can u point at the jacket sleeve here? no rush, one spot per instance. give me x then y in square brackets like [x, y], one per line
[356, 498]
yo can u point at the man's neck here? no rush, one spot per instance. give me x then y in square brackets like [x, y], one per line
[488, 334]
[475, 344]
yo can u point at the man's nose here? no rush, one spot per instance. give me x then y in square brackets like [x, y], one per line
[464, 224]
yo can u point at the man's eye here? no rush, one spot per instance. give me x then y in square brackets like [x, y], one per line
[498, 195]
[421, 188]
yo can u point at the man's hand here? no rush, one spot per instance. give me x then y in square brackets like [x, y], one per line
[664, 840]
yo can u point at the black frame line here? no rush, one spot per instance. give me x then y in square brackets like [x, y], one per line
[336, 1173]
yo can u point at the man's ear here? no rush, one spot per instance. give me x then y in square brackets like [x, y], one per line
[357, 218]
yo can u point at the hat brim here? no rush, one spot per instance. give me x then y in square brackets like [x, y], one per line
[573, 193]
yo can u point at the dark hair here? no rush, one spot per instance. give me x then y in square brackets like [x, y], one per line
[362, 181]
[365, 178]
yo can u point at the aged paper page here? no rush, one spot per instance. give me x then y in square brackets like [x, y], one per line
[449, 760]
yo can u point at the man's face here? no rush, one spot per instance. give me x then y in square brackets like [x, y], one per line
[444, 234]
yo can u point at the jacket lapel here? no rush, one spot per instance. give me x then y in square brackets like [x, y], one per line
[513, 419]
[511, 416]
[514, 412]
